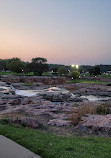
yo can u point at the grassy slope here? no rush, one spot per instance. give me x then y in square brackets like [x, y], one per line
[51, 146]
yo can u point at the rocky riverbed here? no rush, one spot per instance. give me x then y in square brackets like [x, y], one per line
[50, 106]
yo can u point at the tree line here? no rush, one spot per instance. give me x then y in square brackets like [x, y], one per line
[39, 65]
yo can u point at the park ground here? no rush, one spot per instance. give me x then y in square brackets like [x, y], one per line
[53, 146]
[48, 145]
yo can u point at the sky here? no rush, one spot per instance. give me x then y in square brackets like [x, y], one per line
[63, 31]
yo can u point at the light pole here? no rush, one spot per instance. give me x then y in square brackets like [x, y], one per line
[76, 66]
[72, 65]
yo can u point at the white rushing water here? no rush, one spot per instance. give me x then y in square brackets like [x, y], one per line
[95, 98]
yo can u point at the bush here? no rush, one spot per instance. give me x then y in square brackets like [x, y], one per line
[75, 75]
[81, 111]
[103, 110]
[63, 71]
[74, 118]
[87, 109]
[91, 108]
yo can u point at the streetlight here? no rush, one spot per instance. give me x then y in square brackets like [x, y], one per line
[77, 66]
[72, 65]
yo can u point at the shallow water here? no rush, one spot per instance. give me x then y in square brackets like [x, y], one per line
[95, 98]
[30, 93]
[4, 89]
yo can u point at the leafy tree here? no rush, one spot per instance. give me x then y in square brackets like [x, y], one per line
[95, 71]
[39, 60]
[14, 59]
[39, 65]
[75, 75]
[63, 71]
[16, 66]
[91, 71]
[4, 64]
[51, 66]
[28, 67]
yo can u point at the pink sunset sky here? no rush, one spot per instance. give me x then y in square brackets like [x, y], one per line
[64, 32]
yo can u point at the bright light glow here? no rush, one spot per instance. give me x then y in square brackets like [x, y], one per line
[72, 65]
[77, 66]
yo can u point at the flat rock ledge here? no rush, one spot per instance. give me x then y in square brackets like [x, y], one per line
[59, 122]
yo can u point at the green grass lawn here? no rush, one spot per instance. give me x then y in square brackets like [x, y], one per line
[28, 74]
[12, 73]
[47, 74]
[51, 146]
[7, 73]
[89, 81]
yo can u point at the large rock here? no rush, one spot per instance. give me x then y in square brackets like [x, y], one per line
[56, 94]
[96, 124]
[82, 89]
[57, 97]
[98, 121]
[26, 121]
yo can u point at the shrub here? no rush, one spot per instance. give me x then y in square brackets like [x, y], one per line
[84, 109]
[75, 75]
[103, 109]
[87, 109]
[74, 118]
[63, 71]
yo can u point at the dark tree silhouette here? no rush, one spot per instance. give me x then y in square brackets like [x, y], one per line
[16, 66]
[95, 71]
[39, 65]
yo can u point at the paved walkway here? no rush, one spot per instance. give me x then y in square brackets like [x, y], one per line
[10, 149]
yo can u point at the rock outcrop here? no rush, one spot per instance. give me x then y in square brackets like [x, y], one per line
[95, 125]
